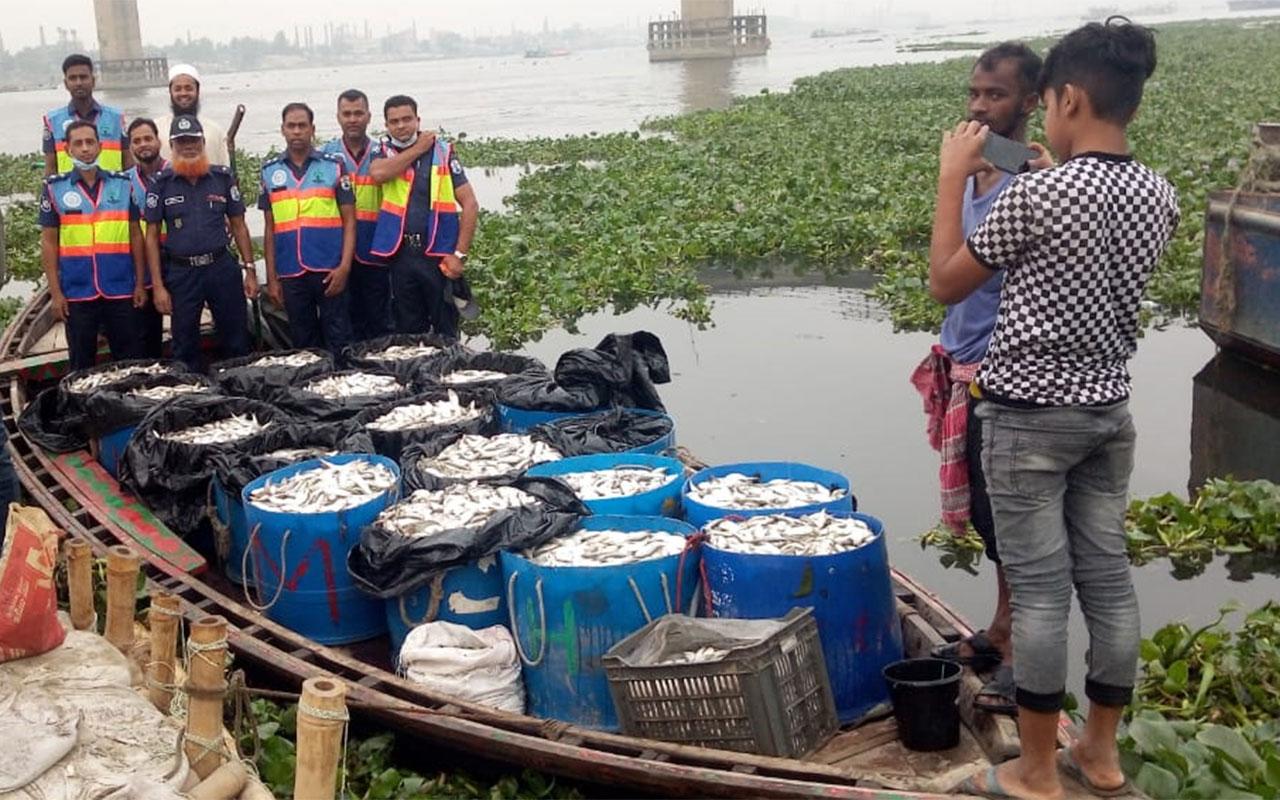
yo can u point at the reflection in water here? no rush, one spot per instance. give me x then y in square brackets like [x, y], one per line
[1235, 421]
[706, 83]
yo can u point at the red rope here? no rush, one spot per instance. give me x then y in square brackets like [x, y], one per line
[690, 543]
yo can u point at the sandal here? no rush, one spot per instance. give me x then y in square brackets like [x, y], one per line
[990, 786]
[985, 656]
[998, 695]
[1068, 765]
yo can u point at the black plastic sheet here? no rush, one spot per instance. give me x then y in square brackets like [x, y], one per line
[614, 431]
[243, 377]
[388, 564]
[308, 406]
[623, 367]
[236, 469]
[393, 443]
[364, 355]
[535, 392]
[113, 408]
[172, 478]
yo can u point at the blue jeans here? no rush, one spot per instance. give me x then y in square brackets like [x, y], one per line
[1058, 479]
[219, 284]
[316, 320]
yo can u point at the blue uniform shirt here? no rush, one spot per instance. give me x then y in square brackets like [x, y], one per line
[415, 216]
[195, 214]
[967, 327]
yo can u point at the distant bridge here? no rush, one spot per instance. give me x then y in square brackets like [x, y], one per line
[121, 62]
[708, 29]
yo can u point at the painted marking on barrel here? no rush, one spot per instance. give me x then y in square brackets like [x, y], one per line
[459, 603]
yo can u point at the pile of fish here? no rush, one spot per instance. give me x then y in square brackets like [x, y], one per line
[87, 384]
[604, 548]
[736, 490]
[159, 394]
[292, 455]
[426, 415]
[354, 384]
[294, 360]
[473, 457]
[464, 376]
[817, 534]
[702, 655]
[325, 489]
[462, 505]
[403, 352]
[222, 431]
[621, 481]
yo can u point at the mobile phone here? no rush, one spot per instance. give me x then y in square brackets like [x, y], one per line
[1005, 154]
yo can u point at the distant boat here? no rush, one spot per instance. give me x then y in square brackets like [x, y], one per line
[1252, 5]
[542, 52]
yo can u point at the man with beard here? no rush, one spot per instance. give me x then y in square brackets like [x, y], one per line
[1002, 96]
[369, 287]
[91, 250]
[184, 98]
[144, 146]
[197, 203]
[310, 234]
[426, 222]
[77, 76]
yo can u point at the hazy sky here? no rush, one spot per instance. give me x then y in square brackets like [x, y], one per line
[163, 20]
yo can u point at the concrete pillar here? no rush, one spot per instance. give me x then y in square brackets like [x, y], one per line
[695, 10]
[119, 35]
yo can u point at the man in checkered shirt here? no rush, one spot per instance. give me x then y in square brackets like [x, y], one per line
[1077, 245]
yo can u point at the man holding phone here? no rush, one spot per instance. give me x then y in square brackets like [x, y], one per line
[1002, 96]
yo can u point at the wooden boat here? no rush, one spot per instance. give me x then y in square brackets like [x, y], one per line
[867, 762]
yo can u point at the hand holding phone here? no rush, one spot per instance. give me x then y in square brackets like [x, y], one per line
[1007, 155]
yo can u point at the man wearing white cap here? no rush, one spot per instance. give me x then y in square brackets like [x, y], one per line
[184, 98]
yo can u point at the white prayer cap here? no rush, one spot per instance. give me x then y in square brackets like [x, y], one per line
[183, 69]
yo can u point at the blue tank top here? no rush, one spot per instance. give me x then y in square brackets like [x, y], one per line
[967, 327]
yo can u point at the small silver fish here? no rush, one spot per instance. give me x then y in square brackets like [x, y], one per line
[461, 377]
[817, 534]
[621, 481]
[159, 394]
[740, 491]
[426, 415]
[473, 457]
[354, 384]
[327, 488]
[86, 384]
[458, 506]
[300, 359]
[703, 655]
[292, 455]
[403, 352]
[604, 548]
[223, 431]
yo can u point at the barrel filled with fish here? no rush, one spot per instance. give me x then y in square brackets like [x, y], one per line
[528, 400]
[407, 356]
[433, 412]
[269, 376]
[574, 597]
[617, 430]
[463, 458]
[634, 484]
[114, 411]
[341, 395]
[482, 369]
[303, 522]
[762, 566]
[755, 488]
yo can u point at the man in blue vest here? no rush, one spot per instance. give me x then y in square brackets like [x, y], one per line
[91, 250]
[426, 222]
[77, 76]
[144, 146]
[197, 204]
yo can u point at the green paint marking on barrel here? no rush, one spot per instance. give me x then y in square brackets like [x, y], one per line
[806, 582]
[568, 639]
[535, 632]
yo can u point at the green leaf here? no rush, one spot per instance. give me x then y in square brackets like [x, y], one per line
[1175, 681]
[1157, 782]
[1153, 735]
[384, 786]
[1272, 772]
[1232, 744]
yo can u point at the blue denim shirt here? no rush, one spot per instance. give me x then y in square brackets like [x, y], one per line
[967, 327]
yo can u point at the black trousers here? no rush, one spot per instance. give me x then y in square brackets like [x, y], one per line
[369, 291]
[220, 285]
[316, 320]
[417, 288]
[118, 319]
[151, 330]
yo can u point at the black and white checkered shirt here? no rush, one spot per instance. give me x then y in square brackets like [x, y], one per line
[1077, 244]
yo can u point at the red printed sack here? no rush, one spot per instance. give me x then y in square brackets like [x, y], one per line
[28, 599]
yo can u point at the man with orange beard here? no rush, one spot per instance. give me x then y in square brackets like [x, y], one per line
[197, 204]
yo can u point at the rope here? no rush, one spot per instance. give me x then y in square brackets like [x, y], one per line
[639, 599]
[257, 579]
[690, 543]
[515, 627]
[433, 604]
[211, 747]
[666, 590]
[338, 715]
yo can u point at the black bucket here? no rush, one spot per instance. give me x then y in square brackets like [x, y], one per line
[924, 693]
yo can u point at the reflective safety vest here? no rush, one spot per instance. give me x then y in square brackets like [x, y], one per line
[110, 124]
[368, 196]
[94, 261]
[139, 188]
[308, 224]
[444, 220]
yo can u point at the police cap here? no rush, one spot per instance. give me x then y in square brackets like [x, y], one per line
[185, 125]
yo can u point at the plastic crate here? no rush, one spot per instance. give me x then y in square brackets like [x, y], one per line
[771, 698]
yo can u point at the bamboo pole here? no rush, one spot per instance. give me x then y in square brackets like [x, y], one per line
[206, 687]
[122, 587]
[80, 583]
[322, 716]
[163, 619]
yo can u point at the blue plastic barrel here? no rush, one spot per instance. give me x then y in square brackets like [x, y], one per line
[564, 619]
[111, 449]
[660, 445]
[664, 501]
[852, 600]
[230, 513]
[317, 597]
[470, 595]
[699, 514]
[523, 420]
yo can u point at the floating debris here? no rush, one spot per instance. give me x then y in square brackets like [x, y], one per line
[292, 455]
[465, 376]
[354, 384]
[605, 548]
[461, 505]
[620, 481]
[87, 384]
[222, 431]
[161, 393]
[426, 415]
[325, 489]
[817, 534]
[737, 490]
[403, 352]
[703, 655]
[300, 359]
[473, 457]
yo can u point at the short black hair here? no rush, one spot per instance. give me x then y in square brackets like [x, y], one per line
[1027, 60]
[311, 116]
[354, 95]
[397, 100]
[1110, 61]
[138, 122]
[76, 124]
[76, 60]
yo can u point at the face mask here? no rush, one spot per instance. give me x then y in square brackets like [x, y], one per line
[403, 143]
[83, 165]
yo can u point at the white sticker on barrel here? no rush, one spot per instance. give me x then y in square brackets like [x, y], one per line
[486, 563]
[459, 603]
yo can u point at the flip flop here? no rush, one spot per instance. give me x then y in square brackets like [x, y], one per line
[991, 786]
[985, 655]
[1068, 765]
[1002, 689]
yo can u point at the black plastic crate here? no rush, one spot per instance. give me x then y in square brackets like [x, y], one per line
[771, 698]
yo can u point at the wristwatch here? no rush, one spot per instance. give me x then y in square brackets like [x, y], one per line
[461, 256]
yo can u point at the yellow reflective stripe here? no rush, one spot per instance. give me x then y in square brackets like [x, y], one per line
[396, 193]
[284, 207]
[319, 208]
[75, 234]
[111, 232]
[368, 198]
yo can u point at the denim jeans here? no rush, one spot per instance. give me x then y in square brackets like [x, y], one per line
[1058, 479]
